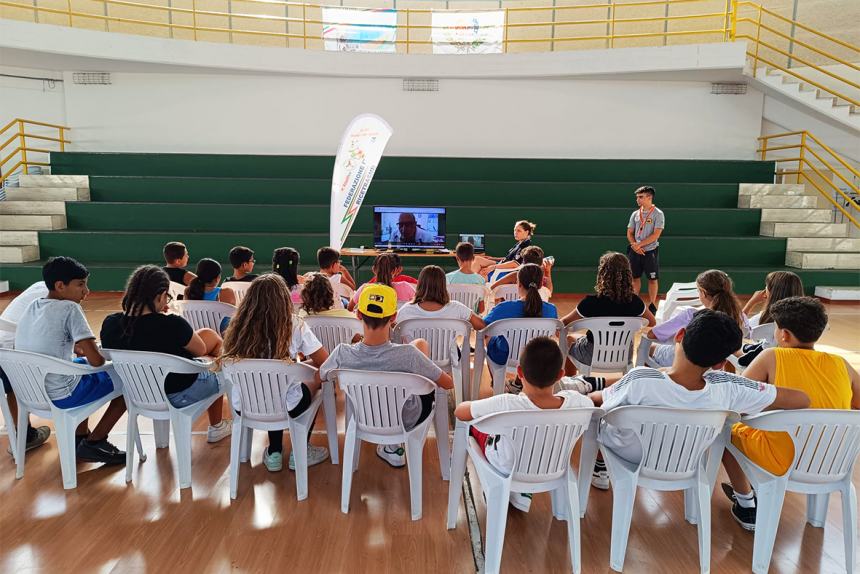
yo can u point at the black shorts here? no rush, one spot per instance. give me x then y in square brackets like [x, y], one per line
[648, 264]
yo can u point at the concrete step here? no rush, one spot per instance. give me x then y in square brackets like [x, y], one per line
[48, 194]
[798, 215]
[4, 286]
[812, 260]
[778, 201]
[31, 222]
[823, 244]
[32, 207]
[837, 293]
[19, 238]
[19, 253]
[54, 181]
[771, 189]
[776, 229]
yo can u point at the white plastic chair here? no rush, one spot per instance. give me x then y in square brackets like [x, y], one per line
[374, 406]
[176, 290]
[542, 442]
[468, 294]
[263, 385]
[517, 332]
[240, 288]
[765, 332]
[332, 331]
[643, 353]
[613, 343]
[508, 292]
[26, 372]
[826, 447]
[9, 327]
[143, 374]
[681, 450]
[679, 295]
[205, 314]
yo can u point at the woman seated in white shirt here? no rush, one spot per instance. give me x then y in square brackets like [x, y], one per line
[431, 301]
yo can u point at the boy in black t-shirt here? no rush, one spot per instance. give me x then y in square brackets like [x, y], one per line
[176, 258]
[242, 260]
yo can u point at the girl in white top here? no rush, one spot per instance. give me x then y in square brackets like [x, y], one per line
[431, 301]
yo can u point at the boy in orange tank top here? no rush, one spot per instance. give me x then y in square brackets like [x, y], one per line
[828, 380]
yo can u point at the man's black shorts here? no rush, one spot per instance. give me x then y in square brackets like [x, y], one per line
[649, 264]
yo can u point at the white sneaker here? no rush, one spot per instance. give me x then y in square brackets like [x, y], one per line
[316, 455]
[394, 455]
[522, 501]
[220, 431]
[600, 479]
[574, 384]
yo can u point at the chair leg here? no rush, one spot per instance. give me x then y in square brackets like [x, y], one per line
[849, 525]
[21, 448]
[350, 445]
[440, 421]
[703, 500]
[182, 440]
[245, 445]
[130, 434]
[587, 458]
[558, 501]
[65, 427]
[329, 406]
[623, 498]
[498, 496]
[458, 472]
[571, 500]
[691, 505]
[10, 426]
[138, 443]
[161, 431]
[414, 464]
[235, 448]
[770, 496]
[299, 441]
[816, 509]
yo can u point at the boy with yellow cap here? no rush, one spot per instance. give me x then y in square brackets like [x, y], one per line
[377, 309]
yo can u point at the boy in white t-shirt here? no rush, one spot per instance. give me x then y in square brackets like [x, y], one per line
[694, 381]
[541, 366]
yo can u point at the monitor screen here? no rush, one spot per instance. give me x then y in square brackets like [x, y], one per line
[476, 239]
[409, 227]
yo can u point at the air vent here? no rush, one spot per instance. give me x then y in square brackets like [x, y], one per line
[420, 85]
[728, 88]
[91, 78]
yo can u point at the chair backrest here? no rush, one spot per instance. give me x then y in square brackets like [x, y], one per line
[240, 288]
[8, 326]
[468, 295]
[343, 290]
[143, 374]
[542, 440]
[613, 339]
[27, 371]
[439, 334]
[376, 398]
[673, 440]
[826, 441]
[332, 331]
[683, 289]
[176, 290]
[508, 292]
[766, 331]
[263, 384]
[518, 332]
[205, 314]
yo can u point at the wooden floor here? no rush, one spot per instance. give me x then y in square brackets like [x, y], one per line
[149, 525]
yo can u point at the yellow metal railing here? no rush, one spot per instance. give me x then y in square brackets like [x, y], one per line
[17, 133]
[804, 158]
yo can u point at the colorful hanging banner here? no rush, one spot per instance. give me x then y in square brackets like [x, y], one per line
[350, 30]
[468, 32]
[357, 157]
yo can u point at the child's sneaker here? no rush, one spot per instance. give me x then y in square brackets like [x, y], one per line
[394, 455]
[745, 516]
[522, 501]
[514, 386]
[99, 451]
[274, 461]
[751, 351]
[35, 437]
[653, 308]
[316, 455]
[577, 384]
[220, 431]
[600, 476]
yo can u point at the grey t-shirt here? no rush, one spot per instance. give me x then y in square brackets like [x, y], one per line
[653, 220]
[52, 327]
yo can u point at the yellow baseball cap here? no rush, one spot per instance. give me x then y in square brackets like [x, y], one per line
[377, 301]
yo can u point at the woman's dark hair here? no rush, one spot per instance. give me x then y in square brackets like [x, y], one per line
[528, 226]
[144, 284]
[432, 286]
[208, 270]
[285, 262]
[780, 285]
[614, 278]
[317, 294]
[384, 268]
[530, 277]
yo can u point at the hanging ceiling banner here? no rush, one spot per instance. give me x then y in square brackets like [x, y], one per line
[468, 32]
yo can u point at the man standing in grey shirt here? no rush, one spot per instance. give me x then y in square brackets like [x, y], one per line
[643, 233]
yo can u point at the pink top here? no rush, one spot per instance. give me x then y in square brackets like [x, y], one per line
[405, 291]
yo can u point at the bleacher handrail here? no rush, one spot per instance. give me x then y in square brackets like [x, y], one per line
[23, 150]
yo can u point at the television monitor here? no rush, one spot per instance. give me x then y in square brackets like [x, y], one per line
[476, 239]
[408, 227]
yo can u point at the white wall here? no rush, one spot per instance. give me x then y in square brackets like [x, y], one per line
[23, 94]
[479, 118]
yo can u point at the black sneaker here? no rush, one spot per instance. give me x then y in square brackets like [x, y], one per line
[750, 352]
[100, 451]
[742, 515]
[514, 387]
[652, 307]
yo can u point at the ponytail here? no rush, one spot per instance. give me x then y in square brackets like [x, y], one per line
[530, 278]
[384, 268]
[718, 286]
[285, 262]
[208, 270]
[144, 286]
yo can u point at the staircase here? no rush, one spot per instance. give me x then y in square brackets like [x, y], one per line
[831, 106]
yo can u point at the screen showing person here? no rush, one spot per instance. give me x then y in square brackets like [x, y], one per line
[476, 239]
[409, 226]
